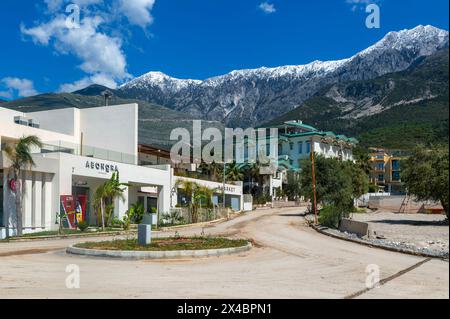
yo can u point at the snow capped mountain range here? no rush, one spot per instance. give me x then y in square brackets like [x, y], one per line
[248, 97]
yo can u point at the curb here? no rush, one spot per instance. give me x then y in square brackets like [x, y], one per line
[116, 233]
[68, 236]
[322, 230]
[137, 255]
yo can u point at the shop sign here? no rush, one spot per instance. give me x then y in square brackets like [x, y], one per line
[101, 167]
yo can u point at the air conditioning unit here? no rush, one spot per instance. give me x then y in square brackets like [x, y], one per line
[21, 120]
[34, 123]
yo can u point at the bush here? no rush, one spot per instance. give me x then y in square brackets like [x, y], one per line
[373, 188]
[136, 213]
[116, 222]
[330, 216]
[83, 225]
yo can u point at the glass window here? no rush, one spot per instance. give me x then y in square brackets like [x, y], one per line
[291, 146]
[380, 166]
[395, 165]
[308, 147]
[280, 149]
[381, 177]
[300, 147]
[396, 176]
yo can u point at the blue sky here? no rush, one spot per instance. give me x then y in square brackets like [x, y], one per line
[120, 39]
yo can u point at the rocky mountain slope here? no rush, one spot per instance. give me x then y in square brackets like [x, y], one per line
[397, 110]
[155, 121]
[249, 97]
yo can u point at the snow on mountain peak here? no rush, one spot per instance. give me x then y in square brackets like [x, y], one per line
[425, 39]
[159, 79]
[422, 40]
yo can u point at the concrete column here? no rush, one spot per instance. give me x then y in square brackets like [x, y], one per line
[121, 205]
[27, 203]
[37, 200]
[163, 199]
[47, 211]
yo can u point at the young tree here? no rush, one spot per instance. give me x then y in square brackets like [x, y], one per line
[425, 175]
[338, 183]
[108, 191]
[292, 189]
[20, 156]
[198, 194]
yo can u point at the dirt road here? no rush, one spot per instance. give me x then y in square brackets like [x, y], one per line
[289, 260]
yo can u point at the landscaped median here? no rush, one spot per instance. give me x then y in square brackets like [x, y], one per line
[174, 247]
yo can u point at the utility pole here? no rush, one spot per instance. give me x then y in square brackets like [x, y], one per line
[224, 181]
[314, 182]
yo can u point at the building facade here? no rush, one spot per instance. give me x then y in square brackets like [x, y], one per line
[385, 170]
[82, 148]
[298, 140]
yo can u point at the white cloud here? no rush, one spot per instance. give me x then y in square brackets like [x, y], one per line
[138, 12]
[99, 78]
[57, 5]
[6, 94]
[23, 87]
[267, 7]
[360, 4]
[96, 43]
[98, 52]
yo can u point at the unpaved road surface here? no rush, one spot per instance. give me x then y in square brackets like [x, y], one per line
[289, 260]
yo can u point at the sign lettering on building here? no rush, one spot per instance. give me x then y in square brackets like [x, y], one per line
[102, 167]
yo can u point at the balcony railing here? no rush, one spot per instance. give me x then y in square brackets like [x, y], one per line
[88, 151]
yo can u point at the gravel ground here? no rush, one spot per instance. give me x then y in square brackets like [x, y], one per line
[421, 232]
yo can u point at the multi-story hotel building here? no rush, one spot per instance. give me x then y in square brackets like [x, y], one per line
[385, 170]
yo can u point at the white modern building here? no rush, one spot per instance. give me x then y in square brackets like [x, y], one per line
[82, 148]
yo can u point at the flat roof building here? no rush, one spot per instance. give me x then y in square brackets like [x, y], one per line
[82, 147]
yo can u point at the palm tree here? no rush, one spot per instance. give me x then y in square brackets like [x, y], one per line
[197, 194]
[215, 170]
[20, 156]
[234, 173]
[207, 194]
[108, 191]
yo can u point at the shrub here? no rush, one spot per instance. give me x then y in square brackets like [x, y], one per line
[116, 222]
[83, 225]
[330, 216]
[136, 213]
[126, 221]
[373, 188]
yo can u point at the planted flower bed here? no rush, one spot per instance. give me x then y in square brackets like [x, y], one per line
[166, 244]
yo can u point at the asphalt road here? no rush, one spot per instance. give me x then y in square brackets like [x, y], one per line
[289, 260]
